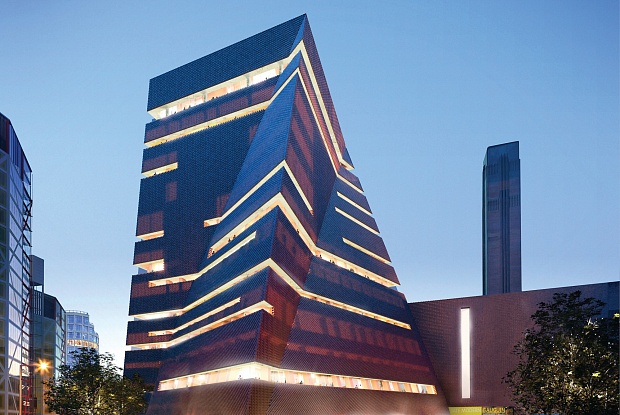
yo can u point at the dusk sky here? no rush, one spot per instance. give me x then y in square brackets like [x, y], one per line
[421, 89]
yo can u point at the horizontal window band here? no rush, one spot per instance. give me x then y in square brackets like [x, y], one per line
[162, 169]
[267, 373]
[151, 235]
[208, 124]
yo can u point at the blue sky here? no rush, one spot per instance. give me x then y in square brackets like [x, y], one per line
[420, 88]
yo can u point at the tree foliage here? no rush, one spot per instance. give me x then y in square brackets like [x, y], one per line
[568, 363]
[93, 385]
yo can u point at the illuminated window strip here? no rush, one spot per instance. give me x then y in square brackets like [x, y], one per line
[366, 251]
[343, 197]
[277, 64]
[157, 315]
[82, 343]
[152, 266]
[197, 319]
[222, 119]
[208, 124]
[151, 235]
[273, 374]
[212, 222]
[261, 305]
[357, 221]
[160, 170]
[191, 277]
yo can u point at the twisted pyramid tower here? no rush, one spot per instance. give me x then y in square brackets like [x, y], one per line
[265, 285]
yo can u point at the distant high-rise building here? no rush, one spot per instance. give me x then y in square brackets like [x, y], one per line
[265, 286]
[501, 219]
[80, 333]
[15, 280]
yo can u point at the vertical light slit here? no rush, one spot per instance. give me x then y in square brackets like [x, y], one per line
[465, 354]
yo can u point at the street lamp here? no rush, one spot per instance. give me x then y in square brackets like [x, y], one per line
[40, 366]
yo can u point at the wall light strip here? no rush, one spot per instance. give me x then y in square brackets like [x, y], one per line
[465, 354]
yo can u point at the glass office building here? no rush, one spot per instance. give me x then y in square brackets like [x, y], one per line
[49, 324]
[80, 333]
[501, 219]
[15, 250]
[265, 285]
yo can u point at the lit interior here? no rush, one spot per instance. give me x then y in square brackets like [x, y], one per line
[221, 89]
[360, 223]
[152, 266]
[343, 197]
[160, 170]
[212, 222]
[366, 251]
[267, 373]
[208, 124]
[82, 343]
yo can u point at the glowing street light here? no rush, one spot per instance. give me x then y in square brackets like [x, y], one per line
[41, 366]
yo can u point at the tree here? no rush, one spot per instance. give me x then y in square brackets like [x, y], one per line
[93, 385]
[568, 363]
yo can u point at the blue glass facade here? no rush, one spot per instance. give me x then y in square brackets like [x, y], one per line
[15, 280]
[264, 282]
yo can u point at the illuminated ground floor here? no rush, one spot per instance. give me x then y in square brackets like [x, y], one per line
[255, 396]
